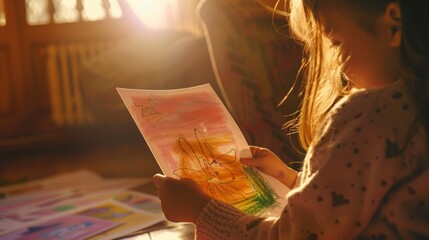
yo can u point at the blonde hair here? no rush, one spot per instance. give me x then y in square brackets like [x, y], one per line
[322, 66]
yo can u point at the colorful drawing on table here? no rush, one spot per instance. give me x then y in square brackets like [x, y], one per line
[13, 203]
[31, 193]
[144, 202]
[51, 198]
[40, 211]
[50, 183]
[15, 220]
[64, 228]
[192, 135]
[62, 201]
[12, 210]
[131, 219]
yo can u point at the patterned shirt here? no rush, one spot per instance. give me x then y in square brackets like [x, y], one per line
[365, 178]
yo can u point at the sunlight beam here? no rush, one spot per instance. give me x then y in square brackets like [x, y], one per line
[152, 13]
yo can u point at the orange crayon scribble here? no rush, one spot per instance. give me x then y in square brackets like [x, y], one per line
[217, 172]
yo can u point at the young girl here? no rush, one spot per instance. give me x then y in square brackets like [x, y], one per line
[364, 122]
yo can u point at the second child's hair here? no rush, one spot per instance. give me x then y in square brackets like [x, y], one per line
[322, 65]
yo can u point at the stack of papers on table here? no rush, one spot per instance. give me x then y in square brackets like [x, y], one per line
[78, 205]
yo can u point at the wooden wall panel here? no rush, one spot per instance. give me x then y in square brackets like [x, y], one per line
[6, 95]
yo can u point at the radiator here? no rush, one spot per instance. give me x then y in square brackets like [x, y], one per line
[62, 63]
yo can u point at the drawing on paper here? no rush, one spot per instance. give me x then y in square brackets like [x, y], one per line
[221, 175]
[63, 228]
[192, 135]
[149, 112]
[129, 219]
[139, 201]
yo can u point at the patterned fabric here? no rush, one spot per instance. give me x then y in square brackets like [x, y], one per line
[255, 66]
[366, 178]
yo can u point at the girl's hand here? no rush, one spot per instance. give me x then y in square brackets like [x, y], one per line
[267, 162]
[182, 200]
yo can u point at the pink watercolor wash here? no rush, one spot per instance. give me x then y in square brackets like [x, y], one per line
[164, 116]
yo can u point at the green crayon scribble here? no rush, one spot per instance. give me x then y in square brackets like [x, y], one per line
[265, 196]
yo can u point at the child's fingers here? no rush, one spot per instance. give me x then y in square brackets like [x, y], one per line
[256, 151]
[251, 162]
[158, 180]
[253, 150]
[259, 152]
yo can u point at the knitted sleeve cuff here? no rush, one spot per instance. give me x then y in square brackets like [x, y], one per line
[216, 220]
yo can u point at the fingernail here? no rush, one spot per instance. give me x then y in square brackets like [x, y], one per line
[156, 179]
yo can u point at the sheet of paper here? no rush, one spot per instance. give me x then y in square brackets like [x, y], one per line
[144, 202]
[64, 228]
[192, 135]
[52, 183]
[132, 210]
[131, 219]
[20, 211]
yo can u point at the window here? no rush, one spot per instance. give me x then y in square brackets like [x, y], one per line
[2, 14]
[37, 12]
[154, 14]
[41, 12]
